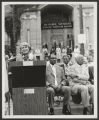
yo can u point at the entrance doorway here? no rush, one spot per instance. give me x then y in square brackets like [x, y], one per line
[56, 23]
[57, 38]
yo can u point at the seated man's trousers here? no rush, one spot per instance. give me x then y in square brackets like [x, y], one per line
[87, 93]
[65, 91]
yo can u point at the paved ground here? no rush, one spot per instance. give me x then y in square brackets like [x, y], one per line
[76, 109]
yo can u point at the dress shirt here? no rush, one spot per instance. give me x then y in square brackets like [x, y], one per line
[47, 63]
[76, 50]
[54, 72]
[66, 69]
[81, 71]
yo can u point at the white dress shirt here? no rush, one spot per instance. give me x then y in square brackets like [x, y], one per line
[81, 71]
[54, 72]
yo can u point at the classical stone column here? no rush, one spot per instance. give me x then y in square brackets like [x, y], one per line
[82, 51]
[38, 40]
[76, 24]
[31, 29]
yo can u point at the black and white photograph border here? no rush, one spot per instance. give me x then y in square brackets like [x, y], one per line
[6, 40]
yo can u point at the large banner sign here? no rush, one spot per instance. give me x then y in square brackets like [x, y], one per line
[57, 25]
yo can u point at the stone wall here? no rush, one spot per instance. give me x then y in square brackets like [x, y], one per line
[32, 33]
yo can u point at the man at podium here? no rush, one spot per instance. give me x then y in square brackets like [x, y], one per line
[28, 84]
[25, 52]
[56, 84]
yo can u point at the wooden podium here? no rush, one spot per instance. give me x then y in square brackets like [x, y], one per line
[29, 88]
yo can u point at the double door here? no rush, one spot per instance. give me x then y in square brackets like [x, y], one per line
[62, 37]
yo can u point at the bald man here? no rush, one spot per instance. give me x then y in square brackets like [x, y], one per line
[78, 80]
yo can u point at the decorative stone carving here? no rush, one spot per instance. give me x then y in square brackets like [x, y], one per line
[28, 16]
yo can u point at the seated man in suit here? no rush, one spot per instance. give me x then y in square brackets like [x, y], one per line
[78, 76]
[56, 84]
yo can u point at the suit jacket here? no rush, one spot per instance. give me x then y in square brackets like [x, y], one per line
[50, 78]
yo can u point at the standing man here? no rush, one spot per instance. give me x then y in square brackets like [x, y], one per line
[56, 84]
[76, 50]
[58, 53]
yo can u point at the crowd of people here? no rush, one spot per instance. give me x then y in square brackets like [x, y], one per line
[67, 73]
[42, 54]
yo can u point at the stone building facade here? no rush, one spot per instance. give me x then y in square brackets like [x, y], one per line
[56, 23]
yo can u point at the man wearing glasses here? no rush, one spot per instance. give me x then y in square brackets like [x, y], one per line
[56, 84]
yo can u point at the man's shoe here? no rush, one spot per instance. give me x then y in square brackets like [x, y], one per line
[85, 111]
[51, 112]
[65, 110]
[88, 110]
